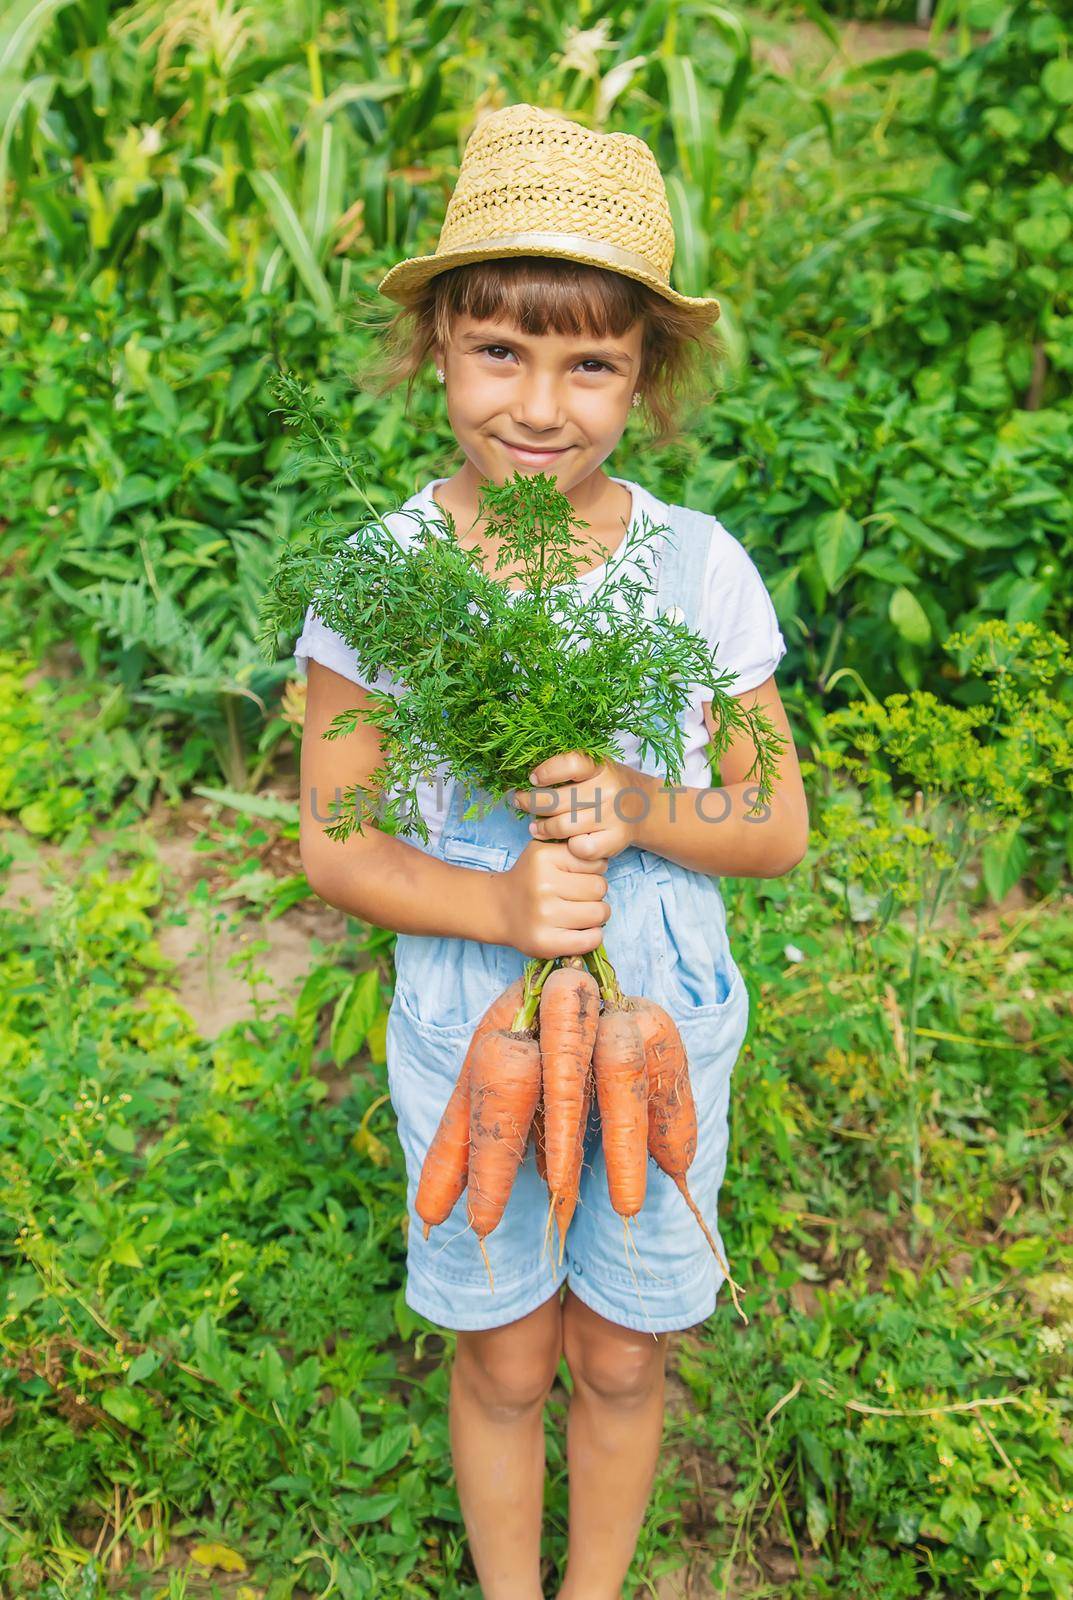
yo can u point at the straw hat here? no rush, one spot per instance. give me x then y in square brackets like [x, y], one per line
[534, 183]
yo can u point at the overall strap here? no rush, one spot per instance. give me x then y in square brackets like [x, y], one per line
[683, 562]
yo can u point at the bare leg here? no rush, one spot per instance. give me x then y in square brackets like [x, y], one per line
[500, 1380]
[613, 1435]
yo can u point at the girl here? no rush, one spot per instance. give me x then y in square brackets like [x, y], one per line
[548, 312]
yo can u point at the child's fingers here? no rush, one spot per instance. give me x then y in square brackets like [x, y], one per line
[566, 857]
[579, 914]
[599, 846]
[545, 802]
[570, 767]
[577, 883]
[564, 826]
[557, 828]
[538, 802]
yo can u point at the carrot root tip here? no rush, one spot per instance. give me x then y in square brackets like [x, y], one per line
[627, 1240]
[488, 1266]
[735, 1288]
[562, 1244]
[547, 1235]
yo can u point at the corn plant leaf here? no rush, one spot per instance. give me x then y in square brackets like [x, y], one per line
[293, 238]
[691, 239]
[268, 131]
[18, 100]
[22, 25]
[694, 123]
[323, 178]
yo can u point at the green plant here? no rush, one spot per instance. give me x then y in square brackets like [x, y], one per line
[890, 439]
[65, 754]
[896, 1416]
[996, 210]
[976, 772]
[893, 450]
[884, 522]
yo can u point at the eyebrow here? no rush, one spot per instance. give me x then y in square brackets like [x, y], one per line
[609, 351]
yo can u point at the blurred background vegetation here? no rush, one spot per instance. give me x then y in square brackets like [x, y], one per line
[210, 1382]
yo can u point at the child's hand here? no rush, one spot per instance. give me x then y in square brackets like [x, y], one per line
[595, 809]
[552, 904]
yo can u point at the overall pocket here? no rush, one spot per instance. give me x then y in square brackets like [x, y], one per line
[445, 984]
[698, 976]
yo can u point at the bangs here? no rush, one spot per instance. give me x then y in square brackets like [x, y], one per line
[541, 295]
[538, 295]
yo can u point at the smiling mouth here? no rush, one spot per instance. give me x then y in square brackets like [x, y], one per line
[536, 450]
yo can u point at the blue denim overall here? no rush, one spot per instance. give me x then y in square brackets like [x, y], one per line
[667, 939]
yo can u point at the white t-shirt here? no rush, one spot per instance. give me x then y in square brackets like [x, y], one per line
[736, 617]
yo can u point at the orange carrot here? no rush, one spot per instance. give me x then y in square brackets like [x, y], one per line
[618, 1061]
[446, 1164]
[672, 1115]
[672, 1112]
[565, 1202]
[569, 1012]
[504, 1090]
[536, 1139]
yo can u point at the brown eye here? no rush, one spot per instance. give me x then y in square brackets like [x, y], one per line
[588, 361]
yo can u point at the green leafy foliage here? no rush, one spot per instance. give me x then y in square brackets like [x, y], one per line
[205, 1255]
[997, 771]
[1000, 117]
[66, 753]
[217, 1258]
[202, 1324]
[890, 435]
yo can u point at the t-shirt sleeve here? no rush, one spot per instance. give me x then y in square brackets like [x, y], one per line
[739, 619]
[318, 642]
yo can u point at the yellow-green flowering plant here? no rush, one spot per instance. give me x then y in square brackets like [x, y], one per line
[978, 775]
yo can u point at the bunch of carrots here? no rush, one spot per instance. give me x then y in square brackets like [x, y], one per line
[557, 1036]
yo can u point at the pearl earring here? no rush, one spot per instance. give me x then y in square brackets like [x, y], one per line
[636, 401]
[441, 375]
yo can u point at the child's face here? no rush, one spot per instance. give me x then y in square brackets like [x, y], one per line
[505, 388]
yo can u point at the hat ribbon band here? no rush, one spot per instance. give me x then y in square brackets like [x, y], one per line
[613, 254]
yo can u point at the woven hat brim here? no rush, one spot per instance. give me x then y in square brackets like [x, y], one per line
[404, 279]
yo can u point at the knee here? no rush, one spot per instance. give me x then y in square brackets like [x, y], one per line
[620, 1371]
[506, 1381]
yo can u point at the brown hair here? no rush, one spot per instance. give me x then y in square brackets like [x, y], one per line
[541, 294]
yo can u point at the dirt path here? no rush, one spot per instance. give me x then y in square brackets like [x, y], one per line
[204, 926]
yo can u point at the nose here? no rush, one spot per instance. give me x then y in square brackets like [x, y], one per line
[538, 409]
